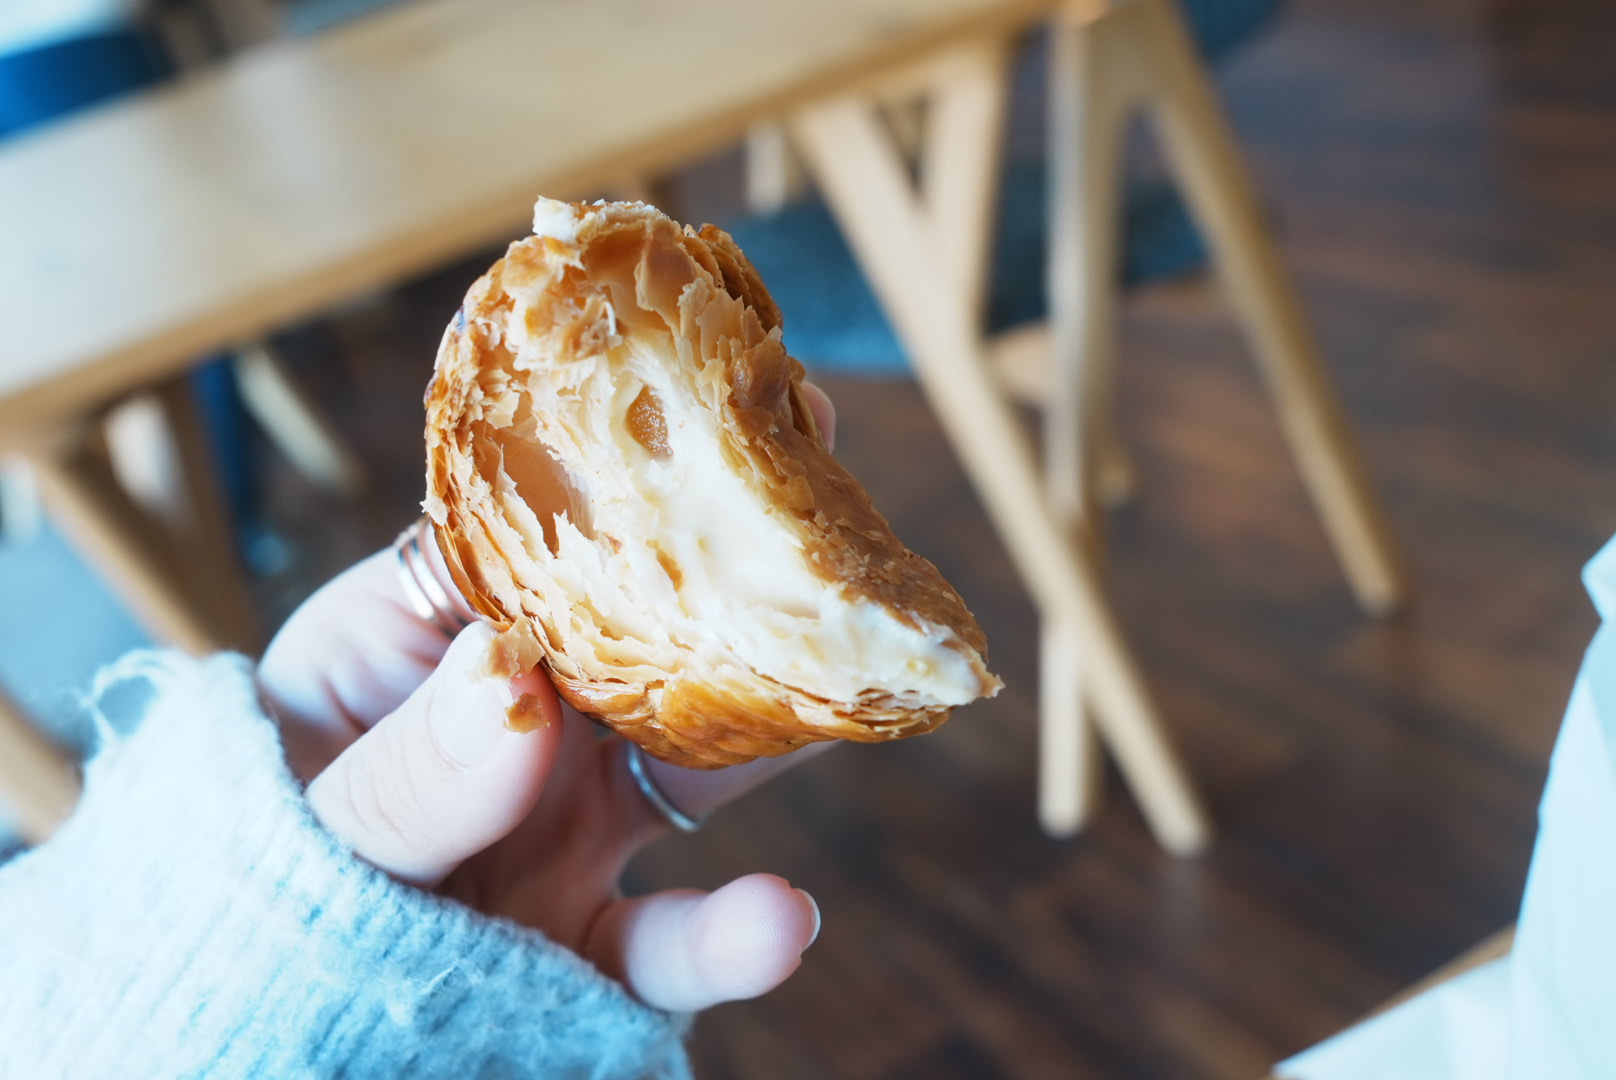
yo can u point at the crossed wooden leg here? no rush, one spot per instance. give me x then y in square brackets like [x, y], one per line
[168, 555]
[135, 493]
[924, 252]
[294, 422]
[1108, 60]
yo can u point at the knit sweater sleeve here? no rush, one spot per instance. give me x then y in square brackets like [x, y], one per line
[192, 919]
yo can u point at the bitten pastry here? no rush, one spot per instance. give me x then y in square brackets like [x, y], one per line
[626, 480]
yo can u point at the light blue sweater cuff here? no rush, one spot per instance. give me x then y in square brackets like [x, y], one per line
[192, 919]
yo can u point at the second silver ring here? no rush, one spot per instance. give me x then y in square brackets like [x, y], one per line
[426, 594]
[640, 772]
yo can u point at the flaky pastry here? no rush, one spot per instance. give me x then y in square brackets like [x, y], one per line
[625, 478]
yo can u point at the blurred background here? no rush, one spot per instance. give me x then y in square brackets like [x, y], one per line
[1439, 177]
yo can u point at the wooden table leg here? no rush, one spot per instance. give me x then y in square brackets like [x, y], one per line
[133, 551]
[921, 286]
[1070, 777]
[1201, 149]
[39, 783]
[202, 528]
[773, 177]
[1090, 98]
[294, 422]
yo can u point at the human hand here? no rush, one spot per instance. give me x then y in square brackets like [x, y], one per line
[401, 736]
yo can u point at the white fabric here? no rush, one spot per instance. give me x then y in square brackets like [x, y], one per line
[1549, 1009]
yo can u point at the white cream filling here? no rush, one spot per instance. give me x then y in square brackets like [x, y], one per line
[746, 594]
[745, 572]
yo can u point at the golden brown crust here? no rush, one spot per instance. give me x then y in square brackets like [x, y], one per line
[629, 272]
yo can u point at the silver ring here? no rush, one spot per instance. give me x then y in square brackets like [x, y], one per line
[654, 795]
[425, 593]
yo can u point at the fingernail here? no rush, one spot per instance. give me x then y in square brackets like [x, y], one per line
[467, 712]
[818, 921]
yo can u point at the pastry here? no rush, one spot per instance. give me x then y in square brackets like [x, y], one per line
[625, 478]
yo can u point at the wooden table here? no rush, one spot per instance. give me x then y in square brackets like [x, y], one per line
[138, 239]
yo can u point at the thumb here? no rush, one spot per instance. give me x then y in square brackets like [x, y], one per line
[684, 950]
[443, 776]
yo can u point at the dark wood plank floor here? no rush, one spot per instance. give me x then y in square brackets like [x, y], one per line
[1446, 181]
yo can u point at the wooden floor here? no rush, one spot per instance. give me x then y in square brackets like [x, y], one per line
[1447, 184]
